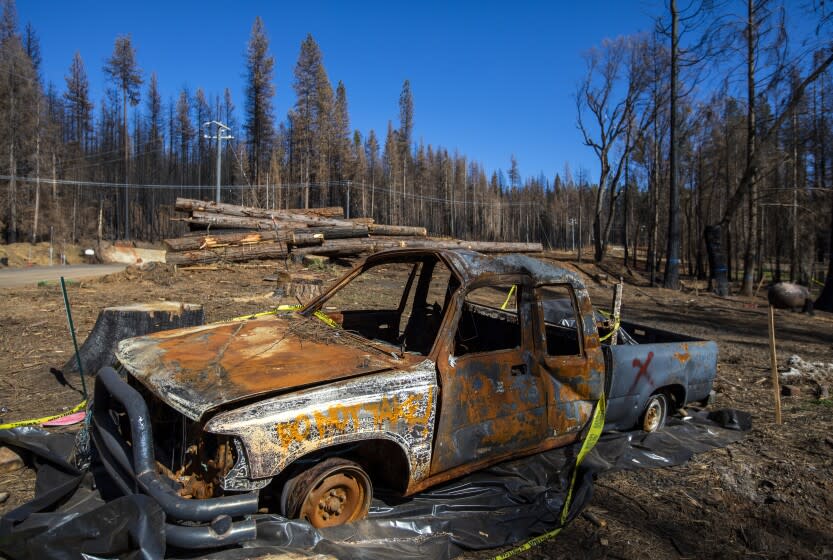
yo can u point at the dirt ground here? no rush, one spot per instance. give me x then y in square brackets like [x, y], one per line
[768, 496]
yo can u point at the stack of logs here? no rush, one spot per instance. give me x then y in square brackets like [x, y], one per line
[239, 233]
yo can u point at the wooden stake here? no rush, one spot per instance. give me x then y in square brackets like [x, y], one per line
[776, 386]
[617, 308]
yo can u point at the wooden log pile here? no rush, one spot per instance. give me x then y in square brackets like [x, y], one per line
[231, 233]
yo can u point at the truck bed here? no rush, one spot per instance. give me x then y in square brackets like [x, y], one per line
[657, 361]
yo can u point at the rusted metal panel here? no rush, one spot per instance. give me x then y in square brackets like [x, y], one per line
[399, 405]
[575, 382]
[513, 401]
[198, 369]
[488, 410]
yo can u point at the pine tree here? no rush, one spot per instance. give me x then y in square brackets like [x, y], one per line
[155, 139]
[406, 126]
[202, 113]
[514, 173]
[154, 115]
[392, 167]
[311, 120]
[19, 111]
[8, 21]
[323, 134]
[260, 90]
[77, 104]
[359, 164]
[371, 150]
[406, 120]
[124, 72]
[31, 44]
[342, 168]
[185, 132]
[226, 115]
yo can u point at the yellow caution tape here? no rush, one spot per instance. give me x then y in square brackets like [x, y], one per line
[593, 435]
[509, 296]
[320, 315]
[589, 442]
[37, 421]
[615, 328]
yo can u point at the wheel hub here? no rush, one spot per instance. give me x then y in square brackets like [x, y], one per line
[333, 502]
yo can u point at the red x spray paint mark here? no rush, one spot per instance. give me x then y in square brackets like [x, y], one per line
[642, 371]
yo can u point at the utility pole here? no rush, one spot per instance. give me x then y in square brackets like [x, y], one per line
[572, 222]
[222, 134]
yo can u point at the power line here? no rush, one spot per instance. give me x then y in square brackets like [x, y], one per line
[284, 187]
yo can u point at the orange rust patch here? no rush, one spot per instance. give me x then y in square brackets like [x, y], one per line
[683, 356]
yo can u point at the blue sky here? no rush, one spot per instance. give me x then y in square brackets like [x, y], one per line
[489, 78]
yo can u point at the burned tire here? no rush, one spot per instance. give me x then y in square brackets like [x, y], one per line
[332, 492]
[656, 412]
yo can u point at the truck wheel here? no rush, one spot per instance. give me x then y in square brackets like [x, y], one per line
[333, 492]
[655, 413]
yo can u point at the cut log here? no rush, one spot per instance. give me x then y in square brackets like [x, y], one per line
[350, 247]
[117, 323]
[298, 238]
[189, 204]
[345, 247]
[337, 232]
[363, 221]
[242, 253]
[312, 221]
[227, 221]
[199, 229]
[479, 246]
[383, 229]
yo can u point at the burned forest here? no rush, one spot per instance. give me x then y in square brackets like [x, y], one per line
[252, 310]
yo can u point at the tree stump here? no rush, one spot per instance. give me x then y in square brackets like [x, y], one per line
[305, 287]
[114, 324]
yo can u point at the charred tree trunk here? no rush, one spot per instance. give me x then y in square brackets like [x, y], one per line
[12, 227]
[717, 259]
[750, 256]
[627, 210]
[672, 261]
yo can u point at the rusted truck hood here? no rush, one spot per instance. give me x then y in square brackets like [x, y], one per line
[197, 369]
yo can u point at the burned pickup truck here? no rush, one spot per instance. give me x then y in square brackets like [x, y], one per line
[417, 367]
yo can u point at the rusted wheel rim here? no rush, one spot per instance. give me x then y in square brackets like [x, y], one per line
[339, 497]
[654, 414]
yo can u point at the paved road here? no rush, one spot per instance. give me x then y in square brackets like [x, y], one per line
[13, 277]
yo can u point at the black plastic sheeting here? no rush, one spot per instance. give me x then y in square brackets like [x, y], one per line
[494, 507]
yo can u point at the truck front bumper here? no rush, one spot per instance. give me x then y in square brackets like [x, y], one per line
[191, 523]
